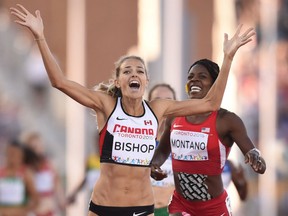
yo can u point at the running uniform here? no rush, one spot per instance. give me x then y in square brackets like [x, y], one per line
[127, 140]
[197, 153]
[45, 186]
[12, 188]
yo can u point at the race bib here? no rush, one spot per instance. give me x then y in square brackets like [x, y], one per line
[44, 181]
[134, 149]
[189, 145]
[12, 191]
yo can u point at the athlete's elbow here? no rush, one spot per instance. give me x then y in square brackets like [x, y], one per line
[58, 84]
[212, 105]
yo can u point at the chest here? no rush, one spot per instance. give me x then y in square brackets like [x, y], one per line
[196, 142]
[132, 137]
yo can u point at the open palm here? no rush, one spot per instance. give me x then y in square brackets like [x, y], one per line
[231, 46]
[25, 18]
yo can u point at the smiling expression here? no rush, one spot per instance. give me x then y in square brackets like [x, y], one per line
[199, 81]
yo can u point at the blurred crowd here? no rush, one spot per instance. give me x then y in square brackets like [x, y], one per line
[31, 135]
[248, 73]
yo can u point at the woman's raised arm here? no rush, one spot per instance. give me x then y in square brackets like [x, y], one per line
[79, 93]
[212, 100]
[230, 48]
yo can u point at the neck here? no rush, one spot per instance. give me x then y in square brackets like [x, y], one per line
[13, 167]
[132, 106]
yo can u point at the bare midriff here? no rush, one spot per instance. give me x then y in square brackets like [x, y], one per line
[123, 186]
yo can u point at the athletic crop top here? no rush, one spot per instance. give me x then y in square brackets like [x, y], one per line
[196, 148]
[128, 140]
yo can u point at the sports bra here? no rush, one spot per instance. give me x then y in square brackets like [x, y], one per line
[127, 139]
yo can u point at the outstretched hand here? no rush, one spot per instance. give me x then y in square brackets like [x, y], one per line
[25, 18]
[232, 45]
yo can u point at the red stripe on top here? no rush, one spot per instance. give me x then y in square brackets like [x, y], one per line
[101, 138]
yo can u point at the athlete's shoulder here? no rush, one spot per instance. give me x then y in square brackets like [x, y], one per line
[229, 119]
[224, 113]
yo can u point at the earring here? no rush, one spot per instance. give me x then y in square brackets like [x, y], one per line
[186, 88]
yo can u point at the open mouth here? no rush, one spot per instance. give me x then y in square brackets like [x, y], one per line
[134, 84]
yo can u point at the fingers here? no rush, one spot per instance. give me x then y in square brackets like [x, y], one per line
[21, 12]
[253, 160]
[232, 45]
[23, 8]
[246, 36]
[261, 166]
[157, 173]
[258, 165]
[253, 157]
[243, 42]
[238, 30]
[248, 32]
[158, 176]
[20, 22]
[18, 13]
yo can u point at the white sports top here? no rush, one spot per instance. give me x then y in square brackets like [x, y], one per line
[129, 140]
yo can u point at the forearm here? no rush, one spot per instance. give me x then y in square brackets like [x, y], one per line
[159, 158]
[54, 72]
[216, 92]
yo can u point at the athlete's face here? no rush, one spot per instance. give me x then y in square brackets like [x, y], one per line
[199, 82]
[14, 156]
[132, 78]
[162, 92]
